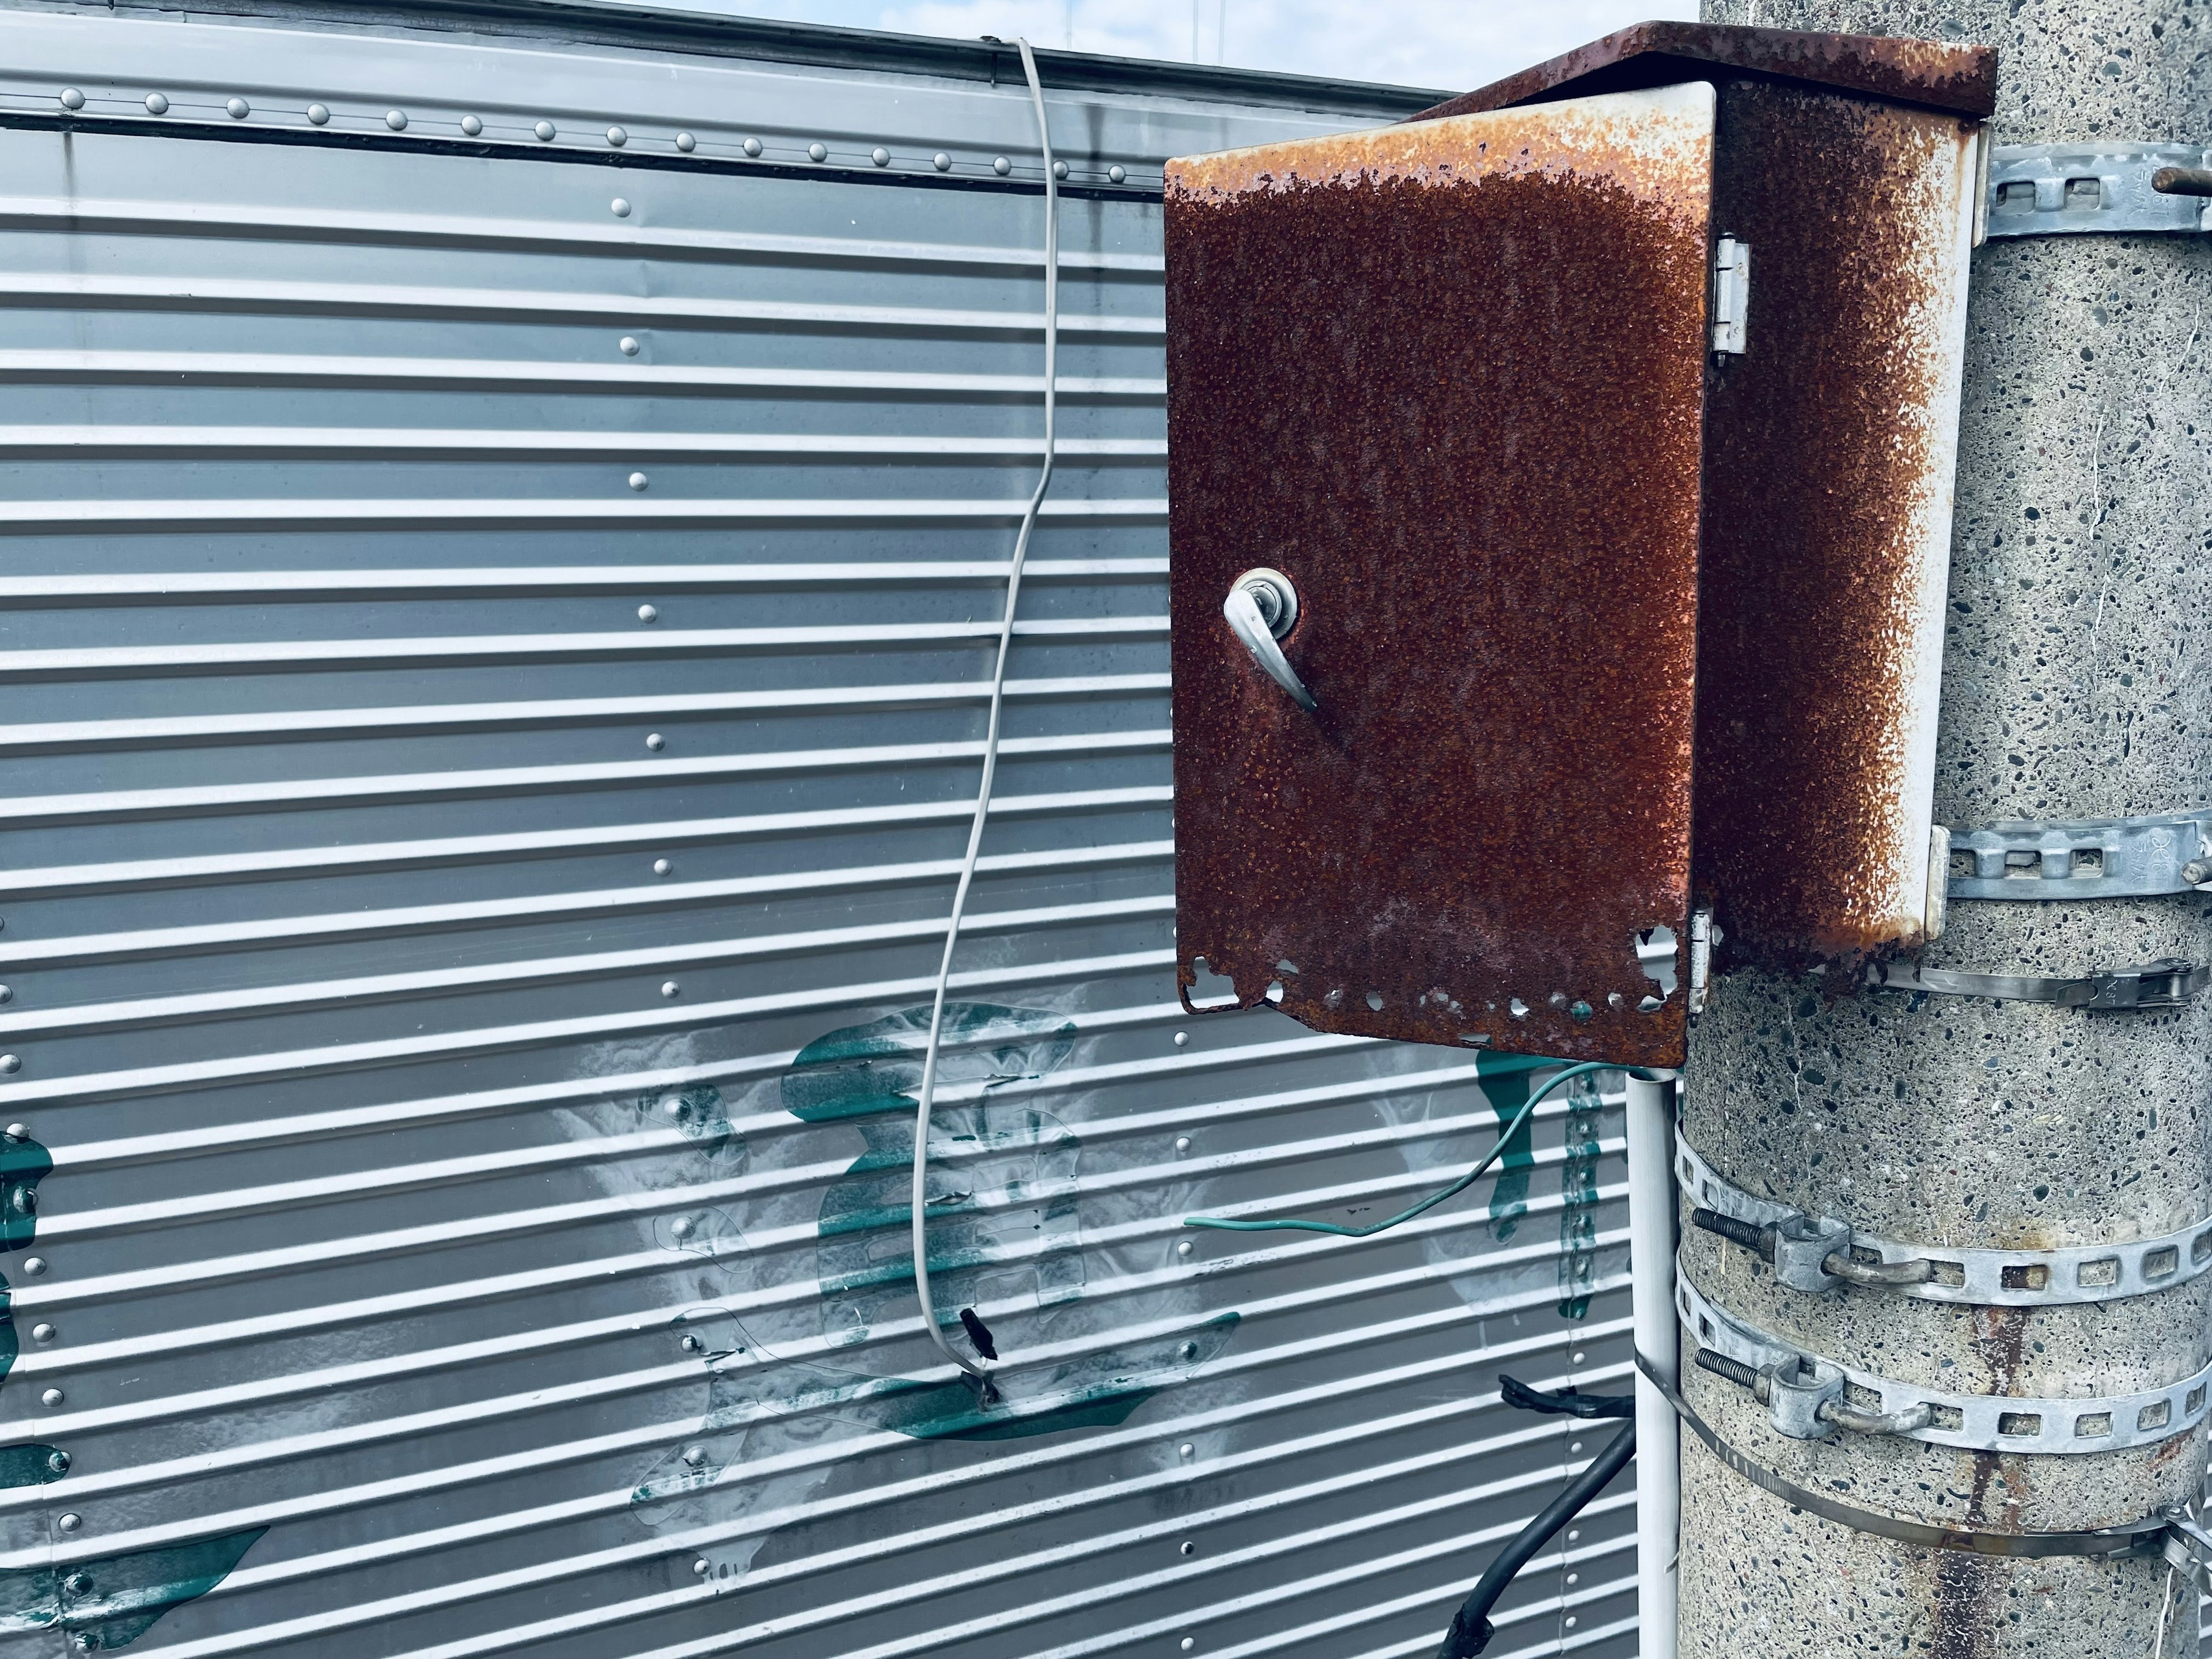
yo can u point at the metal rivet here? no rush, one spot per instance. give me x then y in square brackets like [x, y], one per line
[43, 1333]
[58, 1461]
[156, 105]
[1182, 1039]
[818, 152]
[1578, 1360]
[1189, 1351]
[69, 1522]
[1002, 167]
[661, 866]
[1188, 1643]
[638, 481]
[880, 156]
[752, 146]
[17, 1132]
[672, 1107]
[35, 1266]
[692, 1344]
[629, 344]
[1574, 1448]
[617, 137]
[238, 108]
[1186, 1450]
[668, 987]
[1185, 1248]
[1188, 1547]
[646, 613]
[695, 1455]
[72, 99]
[470, 125]
[76, 1583]
[81, 1641]
[1060, 169]
[681, 1226]
[396, 120]
[620, 207]
[316, 115]
[1118, 174]
[686, 143]
[545, 130]
[51, 1397]
[1575, 1536]
[655, 742]
[11, 1062]
[703, 1567]
[1182, 1143]
[941, 161]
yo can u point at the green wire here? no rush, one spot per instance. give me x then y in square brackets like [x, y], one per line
[1583, 1069]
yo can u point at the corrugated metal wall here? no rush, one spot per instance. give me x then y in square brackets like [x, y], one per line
[493, 688]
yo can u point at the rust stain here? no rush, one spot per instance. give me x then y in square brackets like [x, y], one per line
[1962, 80]
[1449, 383]
[1830, 449]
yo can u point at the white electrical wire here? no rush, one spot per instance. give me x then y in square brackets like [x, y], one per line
[920, 1196]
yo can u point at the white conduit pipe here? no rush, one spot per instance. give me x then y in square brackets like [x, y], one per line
[919, 1226]
[1659, 1340]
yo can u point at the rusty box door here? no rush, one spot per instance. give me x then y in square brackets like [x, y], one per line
[1446, 381]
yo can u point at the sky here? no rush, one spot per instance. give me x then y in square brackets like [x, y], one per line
[1454, 44]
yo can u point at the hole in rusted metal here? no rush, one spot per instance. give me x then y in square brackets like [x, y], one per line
[1375, 1001]
[1335, 999]
[2105, 1270]
[2020, 1423]
[1209, 989]
[1475, 1039]
[2025, 1276]
[1580, 1010]
[2155, 1415]
[1614, 999]
[1517, 1008]
[2092, 1425]
[1654, 951]
[1274, 990]
[1650, 1005]
[1286, 966]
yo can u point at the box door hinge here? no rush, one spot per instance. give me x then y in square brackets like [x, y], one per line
[1731, 294]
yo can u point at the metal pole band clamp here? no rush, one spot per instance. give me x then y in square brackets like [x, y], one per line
[2169, 983]
[1969, 1422]
[1977, 1278]
[2046, 859]
[2143, 1534]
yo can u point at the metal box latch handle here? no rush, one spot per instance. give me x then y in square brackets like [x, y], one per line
[1262, 607]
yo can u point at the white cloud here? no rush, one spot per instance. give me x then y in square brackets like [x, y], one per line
[1451, 44]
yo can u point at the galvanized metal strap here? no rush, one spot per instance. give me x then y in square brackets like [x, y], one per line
[2169, 983]
[1970, 1422]
[1982, 1276]
[2141, 1534]
[2045, 859]
[2061, 190]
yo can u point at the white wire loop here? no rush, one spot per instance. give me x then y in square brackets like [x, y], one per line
[921, 1197]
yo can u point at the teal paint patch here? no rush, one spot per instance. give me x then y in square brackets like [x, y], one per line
[1578, 1197]
[1506, 1089]
[111, 1603]
[9, 1345]
[23, 1165]
[1001, 1192]
[28, 1466]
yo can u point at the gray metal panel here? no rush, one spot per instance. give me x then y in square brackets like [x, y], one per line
[405, 1118]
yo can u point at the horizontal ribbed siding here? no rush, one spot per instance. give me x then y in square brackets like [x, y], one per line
[424, 1054]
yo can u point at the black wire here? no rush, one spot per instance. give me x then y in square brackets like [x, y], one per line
[1471, 1629]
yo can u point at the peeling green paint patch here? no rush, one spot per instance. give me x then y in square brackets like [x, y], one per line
[1507, 1091]
[111, 1603]
[1578, 1197]
[27, 1466]
[863, 1070]
[9, 1345]
[23, 1165]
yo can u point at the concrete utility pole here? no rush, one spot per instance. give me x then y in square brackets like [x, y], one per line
[2076, 683]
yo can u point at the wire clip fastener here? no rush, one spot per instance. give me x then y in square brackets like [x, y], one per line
[1977, 1278]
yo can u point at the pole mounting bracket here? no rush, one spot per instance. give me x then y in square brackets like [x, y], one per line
[2083, 858]
[2117, 187]
[1980, 1276]
[1970, 1422]
[2166, 983]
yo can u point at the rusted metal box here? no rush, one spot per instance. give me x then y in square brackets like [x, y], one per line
[1559, 500]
